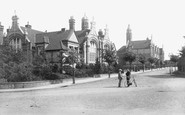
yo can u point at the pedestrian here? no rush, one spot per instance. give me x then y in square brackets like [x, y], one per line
[128, 78]
[120, 77]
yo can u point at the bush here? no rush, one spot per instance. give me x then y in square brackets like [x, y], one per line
[54, 68]
[104, 68]
[52, 77]
[18, 72]
[68, 70]
[44, 72]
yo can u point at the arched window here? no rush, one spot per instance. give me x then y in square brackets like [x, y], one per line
[92, 51]
[16, 43]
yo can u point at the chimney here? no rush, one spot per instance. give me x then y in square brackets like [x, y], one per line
[63, 29]
[8, 30]
[72, 23]
[28, 25]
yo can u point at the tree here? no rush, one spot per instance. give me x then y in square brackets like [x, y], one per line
[174, 59]
[142, 60]
[181, 60]
[110, 57]
[152, 61]
[129, 57]
[72, 59]
[182, 52]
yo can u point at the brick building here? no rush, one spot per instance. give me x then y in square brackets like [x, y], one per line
[86, 41]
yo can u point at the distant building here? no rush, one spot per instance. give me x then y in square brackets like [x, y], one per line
[144, 47]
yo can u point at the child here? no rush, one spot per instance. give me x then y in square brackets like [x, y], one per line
[119, 77]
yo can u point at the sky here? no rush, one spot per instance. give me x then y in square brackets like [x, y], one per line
[163, 20]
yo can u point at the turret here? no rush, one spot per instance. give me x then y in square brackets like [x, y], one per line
[85, 23]
[1, 34]
[15, 24]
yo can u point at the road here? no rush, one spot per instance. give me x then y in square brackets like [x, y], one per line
[157, 93]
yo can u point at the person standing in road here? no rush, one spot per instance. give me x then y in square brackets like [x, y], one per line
[120, 77]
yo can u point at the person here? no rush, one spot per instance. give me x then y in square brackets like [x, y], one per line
[120, 77]
[128, 78]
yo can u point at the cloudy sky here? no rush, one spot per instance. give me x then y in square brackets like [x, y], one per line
[164, 20]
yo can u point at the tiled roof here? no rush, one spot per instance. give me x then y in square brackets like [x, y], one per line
[141, 44]
[81, 35]
[31, 34]
[55, 39]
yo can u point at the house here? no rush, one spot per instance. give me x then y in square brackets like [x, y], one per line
[21, 38]
[52, 43]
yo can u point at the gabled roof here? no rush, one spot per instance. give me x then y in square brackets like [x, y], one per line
[122, 49]
[31, 34]
[81, 35]
[140, 44]
[55, 39]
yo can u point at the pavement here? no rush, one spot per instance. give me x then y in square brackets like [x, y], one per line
[68, 82]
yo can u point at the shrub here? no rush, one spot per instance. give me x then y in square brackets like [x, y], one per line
[52, 77]
[54, 68]
[68, 70]
[18, 72]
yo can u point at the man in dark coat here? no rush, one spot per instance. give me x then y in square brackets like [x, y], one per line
[128, 78]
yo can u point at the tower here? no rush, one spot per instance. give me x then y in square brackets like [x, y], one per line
[1, 34]
[85, 23]
[128, 35]
[72, 23]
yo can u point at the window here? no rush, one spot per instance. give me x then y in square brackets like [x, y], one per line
[16, 43]
[93, 51]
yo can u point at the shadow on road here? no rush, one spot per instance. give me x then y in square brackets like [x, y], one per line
[115, 87]
[166, 76]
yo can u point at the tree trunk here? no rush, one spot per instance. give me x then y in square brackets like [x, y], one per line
[143, 67]
[109, 71]
[73, 76]
[130, 66]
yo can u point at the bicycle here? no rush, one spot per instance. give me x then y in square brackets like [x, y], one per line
[132, 81]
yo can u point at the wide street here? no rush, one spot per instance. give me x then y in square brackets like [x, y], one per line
[157, 93]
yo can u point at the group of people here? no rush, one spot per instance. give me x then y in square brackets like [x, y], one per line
[120, 77]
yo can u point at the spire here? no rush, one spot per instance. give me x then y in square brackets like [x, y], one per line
[128, 35]
[128, 27]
